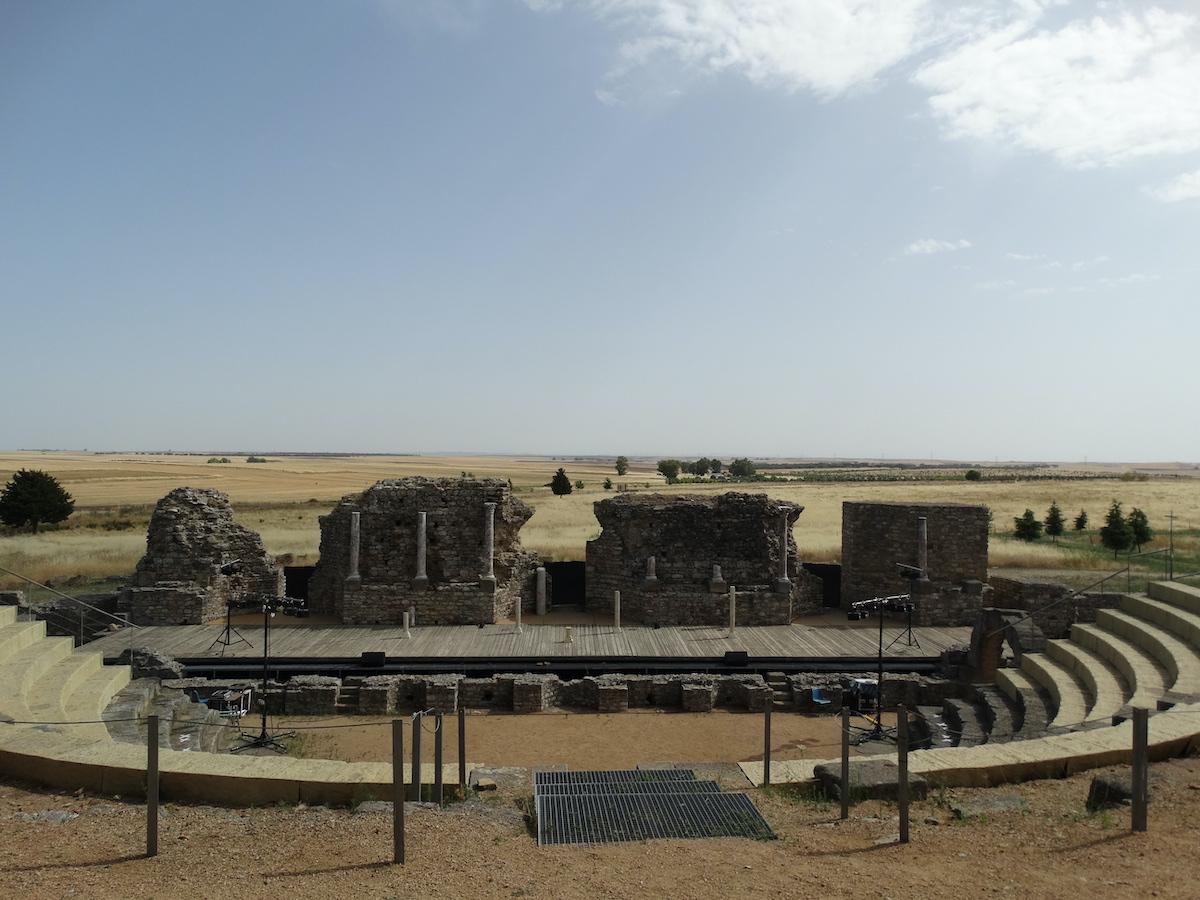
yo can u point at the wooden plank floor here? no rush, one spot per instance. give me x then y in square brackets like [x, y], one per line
[536, 641]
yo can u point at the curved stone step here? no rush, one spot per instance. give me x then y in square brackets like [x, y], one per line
[1144, 677]
[965, 721]
[1177, 657]
[8, 614]
[18, 636]
[1034, 704]
[48, 695]
[1174, 619]
[90, 696]
[1185, 596]
[1002, 715]
[25, 667]
[1106, 688]
[1067, 691]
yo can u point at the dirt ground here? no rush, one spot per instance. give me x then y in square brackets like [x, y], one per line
[582, 740]
[72, 845]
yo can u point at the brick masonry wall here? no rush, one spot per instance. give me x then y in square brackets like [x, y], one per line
[687, 535]
[877, 536]
[455, 561]
[1051, 613]
[192, 534]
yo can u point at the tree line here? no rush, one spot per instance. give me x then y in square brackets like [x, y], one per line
[1119, 532]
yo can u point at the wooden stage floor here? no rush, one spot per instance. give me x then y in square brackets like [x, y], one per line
[824, 640]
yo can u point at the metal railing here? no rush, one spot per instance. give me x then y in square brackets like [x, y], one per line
[65, 619]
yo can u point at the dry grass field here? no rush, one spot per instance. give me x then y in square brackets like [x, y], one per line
[282, 499]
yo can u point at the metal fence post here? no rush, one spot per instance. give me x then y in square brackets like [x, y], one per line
[152, 785]
[398, 791]
[462, 750]
[845, 791]
[438, 795]
[415, 790]
[1141, 767]
[902, 763]
[767, 744]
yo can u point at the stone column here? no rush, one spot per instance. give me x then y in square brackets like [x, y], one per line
[923, 547]
[489, 537]
[422, 579]
[783, 584]
[541, 590]
[517, 611]
[651, 574]
[732, 608]
[407, 633]
[617, 608]
[355, 528]
[716, 584]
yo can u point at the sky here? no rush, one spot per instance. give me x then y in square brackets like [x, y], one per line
[858, 228]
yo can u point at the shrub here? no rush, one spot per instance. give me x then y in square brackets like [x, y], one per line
[1081, 521]
[257, 459]
[608, 484]
[741, 468]
[579, 484]
[560, 484]
[1116, 534]
[973, 475]
[1054, 521]
[669, 469]
[1026, 527]
[622, 465]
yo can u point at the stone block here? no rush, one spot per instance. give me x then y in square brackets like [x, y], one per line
[697, 697]
[612, 698]
[529, 695]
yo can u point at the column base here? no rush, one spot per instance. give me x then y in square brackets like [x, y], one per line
[420, 583]
[718, 586]
[487, 584]
[650, 583]
[353, 579]
[783, 586]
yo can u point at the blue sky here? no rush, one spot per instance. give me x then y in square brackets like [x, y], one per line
[846, 227]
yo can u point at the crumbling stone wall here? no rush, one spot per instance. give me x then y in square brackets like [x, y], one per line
[687, 535]
[455, 591]
[1052, 613]
[878, 535]
[192, 535]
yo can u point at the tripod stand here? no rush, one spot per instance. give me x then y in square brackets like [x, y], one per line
[229, 635]
[264, 738]
[877, 730]
[910, 639]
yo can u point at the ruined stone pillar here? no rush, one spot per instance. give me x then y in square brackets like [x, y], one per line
[617, 608]
[489, 538]
[783, 585]
[651, 574]
[732, 608]
[716, 584]
[407, 633]
[923, 547]
[517, 611]
[355, 527]
[421, 579]
[541, 590]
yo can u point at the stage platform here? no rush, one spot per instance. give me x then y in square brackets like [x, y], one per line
[545, 647]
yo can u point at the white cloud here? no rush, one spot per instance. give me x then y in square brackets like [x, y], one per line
[1080, 265]
[1132, 278]
[1024, 257]
[1180, 188]
[994, 285]
[1094, 92]
[926, 246]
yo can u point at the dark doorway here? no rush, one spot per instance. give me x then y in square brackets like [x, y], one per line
[567, 582]
[295, 581]
[831, 581]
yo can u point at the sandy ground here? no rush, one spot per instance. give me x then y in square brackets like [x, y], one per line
[583, 740]
[71, 845]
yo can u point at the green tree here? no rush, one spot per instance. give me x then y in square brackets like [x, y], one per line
[1140, 528]
[741, 468]
[715, 464]
[579, 484]
[701, 466]
[1026, 527]
[973, 475]
[33, 498]
[669, 469]
[1054, 521]
[1116, 534]
[608, 484]
[1081, 521]
[622, 465]
[560, 484]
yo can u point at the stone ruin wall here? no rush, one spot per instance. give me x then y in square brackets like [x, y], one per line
[687, 535]
[1052, 614]
[192, 534]
[876, 536]
[455, 591]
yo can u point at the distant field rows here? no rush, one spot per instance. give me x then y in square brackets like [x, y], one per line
[283, 498]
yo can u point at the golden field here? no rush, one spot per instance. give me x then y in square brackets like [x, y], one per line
[282, 499]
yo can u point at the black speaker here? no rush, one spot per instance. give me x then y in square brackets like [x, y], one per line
[736, 658]
[373, 659]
